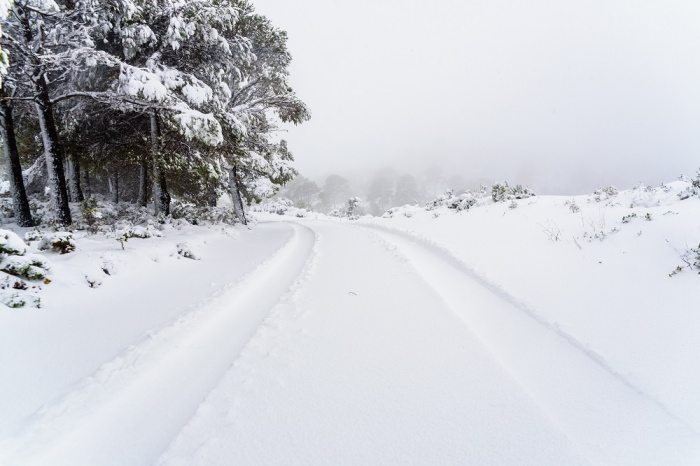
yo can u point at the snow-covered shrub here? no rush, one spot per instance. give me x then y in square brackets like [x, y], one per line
[126, 231]
[11, 244]
[627, 218]
[33, 235]
[61, 242]
[30, 266]
[464, 201]
[281, 206]
[15, 261]
[499, 191]
[691, 258]
[197, 215]
[12, 299]
[502, 191]
[693, 189]
[91, 214]
[355, 208]
[610, 191]
[520, 192]
[513, 205]
[184, 250]
[336, 213]
[573, 206]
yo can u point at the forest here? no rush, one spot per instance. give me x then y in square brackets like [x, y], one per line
[143, 101]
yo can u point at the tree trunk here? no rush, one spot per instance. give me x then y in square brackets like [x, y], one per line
[49, 134]
[88, 189]
[236, 195]
[67, 171]
[143, 182]
[75, 189]
[54, 159]
[161, 197]
[20, 204]
[114, 186]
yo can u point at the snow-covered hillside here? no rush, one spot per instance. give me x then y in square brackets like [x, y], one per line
[544, 330]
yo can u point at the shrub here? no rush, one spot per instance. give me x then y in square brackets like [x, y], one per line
[499, 191]
[31, 266]
[11, 244]
[61, 242]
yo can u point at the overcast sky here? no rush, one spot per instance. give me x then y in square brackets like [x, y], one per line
[562, 95]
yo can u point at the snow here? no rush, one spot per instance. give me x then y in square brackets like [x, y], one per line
[539, 333]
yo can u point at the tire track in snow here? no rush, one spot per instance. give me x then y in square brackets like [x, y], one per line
[441, 270]
[133, 406]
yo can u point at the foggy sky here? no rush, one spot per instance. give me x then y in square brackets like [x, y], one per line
[564, 96]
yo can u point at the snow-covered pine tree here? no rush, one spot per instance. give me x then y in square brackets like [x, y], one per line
[259, 93]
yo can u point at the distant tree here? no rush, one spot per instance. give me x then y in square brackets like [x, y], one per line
[354, 208]
[303, 192]
[406, 191]
[335, 191]
[380, 194]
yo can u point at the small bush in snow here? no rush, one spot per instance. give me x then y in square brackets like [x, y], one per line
[281, 206]
[184, 250]
[354, 205]
[691, 258]
[610, 191]
[30, 266]
[33, 235]
[137, 231]
[464, 201]
[12, 300]
[91, 214]
[513, 205]
[11, 244]
[520, 192]
[503, 192]
[499, 191]
[573, 207]
[61, 242]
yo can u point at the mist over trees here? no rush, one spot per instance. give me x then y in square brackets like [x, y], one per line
[143, 101]
[378, 192]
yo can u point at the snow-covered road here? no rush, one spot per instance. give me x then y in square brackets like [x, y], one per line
[346, 344]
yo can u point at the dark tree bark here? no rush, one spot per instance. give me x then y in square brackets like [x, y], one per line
[161, 197]
[88, 189]
[54, 158]
[143, 182]
[114, 186]
[234, 184]
[20, 203]
[49, 133]
[75, 188]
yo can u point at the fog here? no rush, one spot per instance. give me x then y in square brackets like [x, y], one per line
[563, 96]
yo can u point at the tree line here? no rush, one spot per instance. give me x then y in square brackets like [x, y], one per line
[172, 97]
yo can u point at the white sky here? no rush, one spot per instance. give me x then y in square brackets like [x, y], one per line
[563, 95]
